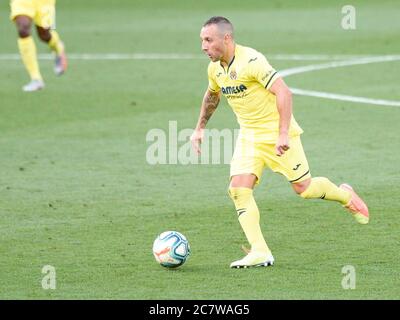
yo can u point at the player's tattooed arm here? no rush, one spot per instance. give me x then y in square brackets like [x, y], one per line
[210, 103]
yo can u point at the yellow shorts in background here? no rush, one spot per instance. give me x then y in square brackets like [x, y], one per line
[252, 157]
[42, 12]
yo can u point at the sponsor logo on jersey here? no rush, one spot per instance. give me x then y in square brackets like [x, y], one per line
[234, 89]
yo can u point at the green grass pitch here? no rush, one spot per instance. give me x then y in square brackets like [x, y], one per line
[77, 193]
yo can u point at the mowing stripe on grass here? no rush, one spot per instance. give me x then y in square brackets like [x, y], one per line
[186, 56]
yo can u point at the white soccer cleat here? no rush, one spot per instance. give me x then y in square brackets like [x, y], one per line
[34, 85]
[254, 259]
[61, 62]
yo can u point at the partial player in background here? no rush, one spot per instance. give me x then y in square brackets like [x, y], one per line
[42, 14]
[269, 135]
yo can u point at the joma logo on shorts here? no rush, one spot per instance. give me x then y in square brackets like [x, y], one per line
[234, 89]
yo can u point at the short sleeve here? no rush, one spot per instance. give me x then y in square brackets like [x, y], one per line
[263, 72]
[212, 84]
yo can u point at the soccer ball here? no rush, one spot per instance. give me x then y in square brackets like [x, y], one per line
[171, 249]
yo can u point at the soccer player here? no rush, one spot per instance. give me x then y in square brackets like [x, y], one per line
[42, 14]
[269, 134]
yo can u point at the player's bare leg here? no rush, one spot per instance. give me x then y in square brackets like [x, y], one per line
[52, 38]
[27, 50]
[241, 192]
[324, 189]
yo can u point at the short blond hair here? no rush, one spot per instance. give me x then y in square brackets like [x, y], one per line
[224, 25]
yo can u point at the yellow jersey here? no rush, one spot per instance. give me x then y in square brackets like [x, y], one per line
[245, 83]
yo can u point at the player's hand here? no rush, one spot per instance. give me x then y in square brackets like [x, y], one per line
[282, 144]
[197, 138]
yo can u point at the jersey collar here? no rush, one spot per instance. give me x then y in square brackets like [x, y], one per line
[230, 63]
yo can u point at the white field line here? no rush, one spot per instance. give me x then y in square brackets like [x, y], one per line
[111, 56]
[342, 97]
[344, 61]
[315, 57]
[336, 64]
[188, 56]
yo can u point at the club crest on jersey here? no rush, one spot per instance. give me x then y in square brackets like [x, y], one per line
[233, 75]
